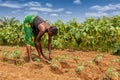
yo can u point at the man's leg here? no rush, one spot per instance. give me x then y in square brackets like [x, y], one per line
[29, 53]
[50, 56]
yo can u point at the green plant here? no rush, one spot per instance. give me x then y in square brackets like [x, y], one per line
[4, 55]
[16, 57]
[56, 69]
[79, 68]
[76, 58]
[15, 54]
[116, 60]
[90, 62]
[98, 58]
[62, 58]
[54, 60]
[116, 50]
[111, 73]
[46, 52]
[101, 34]
[37, 59]
[11, 31]
[55, 66]
[19, 62]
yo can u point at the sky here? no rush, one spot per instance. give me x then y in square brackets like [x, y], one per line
[64, 10]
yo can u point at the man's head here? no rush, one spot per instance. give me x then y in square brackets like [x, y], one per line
[53, 30]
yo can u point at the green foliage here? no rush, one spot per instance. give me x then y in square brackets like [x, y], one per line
[54, 60]
[37, 59]
[116, 60]
[90, 62]
[76, 58]
[98, 58]
[117, 49]
[4, 55]
[54, 67]
[111, 73]
[62, 58]
[101, 34]
[46, 52]
[79, 68]
[16, 57]
[11, 33]
[5, 22]
[15, 54]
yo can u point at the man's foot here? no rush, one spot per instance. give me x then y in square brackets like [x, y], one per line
[44, 59]
[50, 57]
[31, 61]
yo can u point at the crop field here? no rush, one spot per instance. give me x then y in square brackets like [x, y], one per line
[81, 51]
[65, 65]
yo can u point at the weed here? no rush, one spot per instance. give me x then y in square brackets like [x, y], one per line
[37, 59]
[15, 54]
[90, 62]
[56, 69]
[54, 60]
[111, 73]
[79, 68]
[4, 55]
[46, 52]
[62, 58]
[19, 62]
[76, 58]
[54, 66]
[98, 58]
[116, 60]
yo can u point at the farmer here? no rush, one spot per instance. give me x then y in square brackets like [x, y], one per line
[35, 27]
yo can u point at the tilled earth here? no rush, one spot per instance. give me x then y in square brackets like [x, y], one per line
[65, 65]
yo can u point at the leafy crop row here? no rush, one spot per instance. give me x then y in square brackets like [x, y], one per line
[93, 34]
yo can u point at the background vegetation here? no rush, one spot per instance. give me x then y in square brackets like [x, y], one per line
[101, 34]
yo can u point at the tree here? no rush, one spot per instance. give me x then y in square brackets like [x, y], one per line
[5, 22]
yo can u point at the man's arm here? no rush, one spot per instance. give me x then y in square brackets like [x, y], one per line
[49, 43]
[38, 45]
